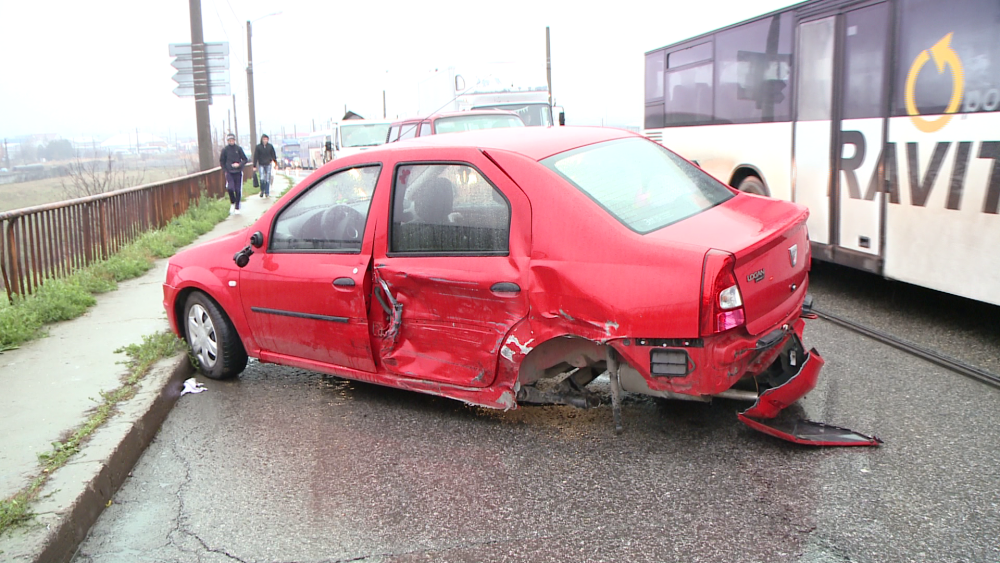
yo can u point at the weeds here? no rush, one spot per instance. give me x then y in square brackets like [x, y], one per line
[16, 510]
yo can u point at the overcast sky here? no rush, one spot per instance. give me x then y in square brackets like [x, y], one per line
[93, 69]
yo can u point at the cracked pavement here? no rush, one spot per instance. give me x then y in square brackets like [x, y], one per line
[285, 465]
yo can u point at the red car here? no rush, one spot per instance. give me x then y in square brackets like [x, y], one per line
[514, 266]
[452, 122]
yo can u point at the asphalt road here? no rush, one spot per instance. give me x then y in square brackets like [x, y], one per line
[286, 465]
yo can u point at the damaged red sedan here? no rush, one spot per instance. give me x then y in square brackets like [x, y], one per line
[512, 267]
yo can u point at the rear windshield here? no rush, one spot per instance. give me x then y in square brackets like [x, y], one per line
[367, 135]
[643, 185]
[474, 122]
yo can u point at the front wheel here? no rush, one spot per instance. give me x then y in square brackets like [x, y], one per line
[212, 338]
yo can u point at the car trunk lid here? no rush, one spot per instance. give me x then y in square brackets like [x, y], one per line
[770, 243]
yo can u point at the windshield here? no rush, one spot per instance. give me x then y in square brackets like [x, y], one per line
[364, 135]
[474, 122]
[533, 115]
[640, 183]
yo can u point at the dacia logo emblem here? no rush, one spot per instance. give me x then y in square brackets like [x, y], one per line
[756, 276]
[793, 254]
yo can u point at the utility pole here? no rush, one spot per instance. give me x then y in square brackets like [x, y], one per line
[548, 65]
[202, 96]
[253, 117]
[236, 125]
[383, 104]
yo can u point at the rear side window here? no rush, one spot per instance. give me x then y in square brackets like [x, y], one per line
[330, 216]
[640, 183]
[447, 209]
[425, 128]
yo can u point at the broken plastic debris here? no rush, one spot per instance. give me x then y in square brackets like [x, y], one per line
[193, 386]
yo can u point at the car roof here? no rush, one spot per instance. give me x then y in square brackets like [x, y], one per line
[535, 143]
[441, 114]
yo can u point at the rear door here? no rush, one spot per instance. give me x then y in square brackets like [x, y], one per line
[450, 268]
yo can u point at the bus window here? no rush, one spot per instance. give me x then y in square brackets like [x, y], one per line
[864, 62]
[654, 75]
[754, 62]
[969, 29]
[689, 95]
[690, 55]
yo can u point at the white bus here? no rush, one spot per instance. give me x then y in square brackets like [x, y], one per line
[880, 116]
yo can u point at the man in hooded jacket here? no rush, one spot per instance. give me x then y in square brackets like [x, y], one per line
[232, 160]
[264, 158]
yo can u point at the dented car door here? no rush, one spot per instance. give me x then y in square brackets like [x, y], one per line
[450, 269]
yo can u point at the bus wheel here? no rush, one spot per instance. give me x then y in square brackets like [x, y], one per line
[752, 185]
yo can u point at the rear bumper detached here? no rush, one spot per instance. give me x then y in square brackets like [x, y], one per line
[762, 415]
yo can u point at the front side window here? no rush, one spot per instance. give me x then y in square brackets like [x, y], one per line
[425, 128]
[330, 216]
[408, 131]
[641, 184]
[447, 209]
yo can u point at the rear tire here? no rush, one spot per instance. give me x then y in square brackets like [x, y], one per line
[753, 185]
[213, 340]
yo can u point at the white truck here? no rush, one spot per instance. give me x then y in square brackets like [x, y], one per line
[345, 138]
[447, 90]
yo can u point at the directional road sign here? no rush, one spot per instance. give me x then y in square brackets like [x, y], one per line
[211, 49]
[187, 91]
[214, 77]
[213, 65]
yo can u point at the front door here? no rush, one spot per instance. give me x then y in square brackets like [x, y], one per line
[305, 296]
[450, 270]
[840, 127]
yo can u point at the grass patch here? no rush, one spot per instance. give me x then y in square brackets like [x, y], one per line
[61, 299]
[16, 510]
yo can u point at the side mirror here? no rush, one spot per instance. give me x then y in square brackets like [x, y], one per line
[562, 118]
[257, 239]
[242, 258]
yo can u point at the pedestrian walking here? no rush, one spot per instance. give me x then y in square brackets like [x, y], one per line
[264, 158]
[232, 160]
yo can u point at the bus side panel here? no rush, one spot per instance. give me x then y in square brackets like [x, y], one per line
[943, 234]
[721, 149]
[812, 176]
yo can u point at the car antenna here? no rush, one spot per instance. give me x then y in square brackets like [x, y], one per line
[457, 96]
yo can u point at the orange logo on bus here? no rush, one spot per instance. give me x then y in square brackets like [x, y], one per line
[943, 56]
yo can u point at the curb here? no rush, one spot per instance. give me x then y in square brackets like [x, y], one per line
[77, 493]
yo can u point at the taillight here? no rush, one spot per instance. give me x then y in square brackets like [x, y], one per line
[721, 301]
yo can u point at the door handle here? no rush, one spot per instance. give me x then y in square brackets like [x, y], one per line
[505, 287]
[343, 282]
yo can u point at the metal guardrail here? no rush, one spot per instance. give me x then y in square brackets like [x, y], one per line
[56, 239]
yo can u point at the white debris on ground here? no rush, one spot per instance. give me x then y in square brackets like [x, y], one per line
[193, 386]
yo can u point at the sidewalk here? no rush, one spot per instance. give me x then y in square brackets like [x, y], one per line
[50, 385]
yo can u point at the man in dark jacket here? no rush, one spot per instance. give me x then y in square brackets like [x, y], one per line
[232, 160]
[264, 158]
